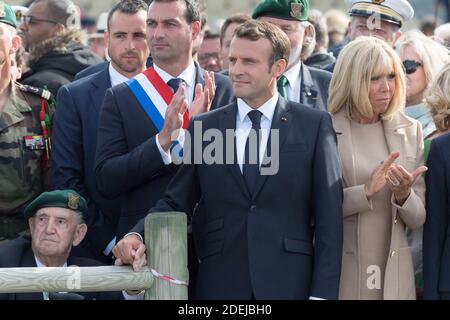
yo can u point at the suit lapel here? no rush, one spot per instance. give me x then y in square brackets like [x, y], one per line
[308, 91]
[199, 77]
[395, 135]
[345, 146]
[100, 83]
[28, 261]
[229, 122]
[282, 122]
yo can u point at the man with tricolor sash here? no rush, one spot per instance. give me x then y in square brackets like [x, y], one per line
[133, 161]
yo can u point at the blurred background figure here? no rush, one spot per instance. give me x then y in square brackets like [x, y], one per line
[337, 25]
[52, 35]
[320, 56]
[428, 24]
[381, 197]
[442, 4]
[197, 42]
[209, 52]
[437, 101]
[442, 35]
[226, 34]
[96, 40]
[423, 59]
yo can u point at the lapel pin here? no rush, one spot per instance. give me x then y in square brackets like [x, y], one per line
[284, 119]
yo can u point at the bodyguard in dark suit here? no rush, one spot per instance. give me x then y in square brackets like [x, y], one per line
[76, 123]
[436, 242]
[129, 163]
[255, 240]
[299, 83]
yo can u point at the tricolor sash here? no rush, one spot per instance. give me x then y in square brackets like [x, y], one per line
[154, 96]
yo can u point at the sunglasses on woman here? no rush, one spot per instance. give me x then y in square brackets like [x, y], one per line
[411, 66]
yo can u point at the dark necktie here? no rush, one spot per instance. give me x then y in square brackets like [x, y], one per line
[174, 84]
[250, 170]
[281, 86]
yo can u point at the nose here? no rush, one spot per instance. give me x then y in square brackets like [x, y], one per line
[385, 84]
[50, 227]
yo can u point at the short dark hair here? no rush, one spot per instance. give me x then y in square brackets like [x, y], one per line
[238, 18]
[254, 30]
[210, 35]
[193, 9]
[62, 11]
[128, 7]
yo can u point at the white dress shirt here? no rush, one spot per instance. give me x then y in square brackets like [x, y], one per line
[293, 87]
[115, 76]
[39, 264]
[244, 125]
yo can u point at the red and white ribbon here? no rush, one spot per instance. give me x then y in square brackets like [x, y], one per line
[168, 278]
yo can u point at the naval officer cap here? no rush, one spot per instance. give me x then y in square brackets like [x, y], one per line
[394, 11]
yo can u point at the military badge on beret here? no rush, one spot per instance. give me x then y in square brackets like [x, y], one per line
[296, 10]
[73, 201]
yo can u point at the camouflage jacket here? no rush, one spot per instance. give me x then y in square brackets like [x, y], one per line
[21, 153]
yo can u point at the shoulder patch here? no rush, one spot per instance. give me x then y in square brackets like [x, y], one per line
[42, 93]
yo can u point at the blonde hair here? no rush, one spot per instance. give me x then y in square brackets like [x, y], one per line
[438, 99]
[358, 62]
[433, 55]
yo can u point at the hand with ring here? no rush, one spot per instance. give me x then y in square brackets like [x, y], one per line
[400, 181]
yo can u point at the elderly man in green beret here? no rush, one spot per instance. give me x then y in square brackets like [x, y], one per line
[56, 224]
[299, 83]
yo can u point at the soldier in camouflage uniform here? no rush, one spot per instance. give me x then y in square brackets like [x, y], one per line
[24, 150]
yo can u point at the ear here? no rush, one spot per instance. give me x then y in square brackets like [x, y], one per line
[396, 36]
[279, 67]
[80, 233]
[16, 43]
[196, 28]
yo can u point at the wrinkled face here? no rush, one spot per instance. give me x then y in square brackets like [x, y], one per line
[169, 34]
[225, 47]
[362, 26]
[126, 42]
[39, 29]
[209, 55]
[252, 78]
[415, 81]
[381, 90]
[9, 43]
[295, 32]
[54, 231]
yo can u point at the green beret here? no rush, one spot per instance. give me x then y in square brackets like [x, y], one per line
[7, 15]
[283, 9]
[69, 199]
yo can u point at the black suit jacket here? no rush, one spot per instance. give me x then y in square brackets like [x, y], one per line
[17, 253]
[128, 162]
[314, 87]
[265, 244]
[73, 154]
[436, 239]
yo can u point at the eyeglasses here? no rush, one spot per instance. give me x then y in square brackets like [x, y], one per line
[411, 66]
[31, 19]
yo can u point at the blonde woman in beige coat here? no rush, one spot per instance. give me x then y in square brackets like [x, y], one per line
[381, 152]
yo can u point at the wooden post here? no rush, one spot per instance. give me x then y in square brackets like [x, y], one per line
[166, 242]
[73, 279]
